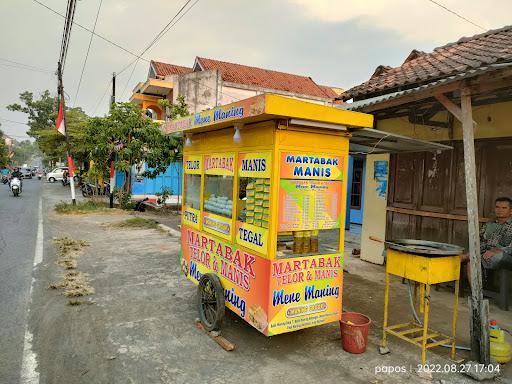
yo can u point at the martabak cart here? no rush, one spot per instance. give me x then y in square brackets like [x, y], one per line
[263, 210]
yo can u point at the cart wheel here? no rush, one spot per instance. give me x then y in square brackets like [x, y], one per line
[211, 301]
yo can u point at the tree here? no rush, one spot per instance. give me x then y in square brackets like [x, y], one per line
[133, 137]
[23, 152]
[4, 151]
[42, 113]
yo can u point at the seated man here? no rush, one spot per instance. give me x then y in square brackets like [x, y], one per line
[496, 239]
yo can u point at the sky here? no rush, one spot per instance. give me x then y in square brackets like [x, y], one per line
[337, 43]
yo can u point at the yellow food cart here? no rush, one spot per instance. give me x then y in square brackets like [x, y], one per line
[263, 210]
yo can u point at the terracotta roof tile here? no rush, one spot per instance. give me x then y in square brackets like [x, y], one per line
[467, 53]
[164, 69]
[265, 78]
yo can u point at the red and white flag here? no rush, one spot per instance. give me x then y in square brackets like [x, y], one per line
[59, 124]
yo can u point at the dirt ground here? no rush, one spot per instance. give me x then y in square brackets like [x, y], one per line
[140, 324]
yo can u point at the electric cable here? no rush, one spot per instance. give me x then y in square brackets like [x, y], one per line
[418, 320]
[70, 14]
[457, 14]
[102, 97]
[25, 66]
[12, 121]
[162, 32]
[87, 54]
[94, 33]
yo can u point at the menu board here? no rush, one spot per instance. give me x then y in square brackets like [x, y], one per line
[309, 204]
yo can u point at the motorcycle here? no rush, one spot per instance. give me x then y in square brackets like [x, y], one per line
[5, 179]
[89, 189]
[15, 186]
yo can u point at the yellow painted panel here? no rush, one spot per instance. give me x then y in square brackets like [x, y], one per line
[284, 106]
[288, 138]
[426, 270]
[396, 263]
[444, 269]
[491, 121]
[254, 136]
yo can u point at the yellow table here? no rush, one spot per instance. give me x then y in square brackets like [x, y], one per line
[424, 271]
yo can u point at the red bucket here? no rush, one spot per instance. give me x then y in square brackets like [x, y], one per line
[354, 331]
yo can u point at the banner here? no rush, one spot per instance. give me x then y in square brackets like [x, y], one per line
[193, 164]
[243, 276]
[304, 292]
[219, 164]
[226, 113]
[299, 165]
[218, 225]
[309, 204]
[252, 237]
[256, 165]
[191, 217]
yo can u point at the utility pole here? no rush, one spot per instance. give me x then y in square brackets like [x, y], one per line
[112, 154]
[70, 159]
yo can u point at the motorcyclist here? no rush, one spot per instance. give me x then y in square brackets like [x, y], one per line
[17, 173]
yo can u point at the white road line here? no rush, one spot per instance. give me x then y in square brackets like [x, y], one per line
[29, 374]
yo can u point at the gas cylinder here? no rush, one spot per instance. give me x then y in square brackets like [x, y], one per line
[501, 351]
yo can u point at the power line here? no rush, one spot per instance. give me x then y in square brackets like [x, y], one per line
[102, 97]
[457, 14]
[87, 54]
[12, 121]
[66, 34]
[94, 33]
[159, 35]
[26, 66]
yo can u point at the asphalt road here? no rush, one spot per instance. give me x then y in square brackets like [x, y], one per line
[18, 233]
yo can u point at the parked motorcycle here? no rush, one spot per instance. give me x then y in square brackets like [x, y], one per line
[15, 186]
[89, 189]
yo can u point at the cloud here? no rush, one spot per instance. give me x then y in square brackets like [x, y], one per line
[336, 42]
[414, 20]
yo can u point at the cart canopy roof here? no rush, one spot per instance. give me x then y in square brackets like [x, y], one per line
[268, 107]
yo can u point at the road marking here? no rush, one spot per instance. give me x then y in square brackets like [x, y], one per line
[29, 373]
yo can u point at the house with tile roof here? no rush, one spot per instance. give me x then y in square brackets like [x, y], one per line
[459, 89]
[209, 83]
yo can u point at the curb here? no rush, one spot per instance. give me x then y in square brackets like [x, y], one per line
[169, 230]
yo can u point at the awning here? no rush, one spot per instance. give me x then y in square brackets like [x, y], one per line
[367, 141]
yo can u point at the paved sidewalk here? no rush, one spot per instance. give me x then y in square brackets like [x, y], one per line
[141, 328]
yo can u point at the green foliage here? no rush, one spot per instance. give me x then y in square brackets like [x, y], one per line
[133, 137]
[24, 152]
[42, 113]
[80, 207]
[137, 222]
[163, 195]
[4, 152]
[124, 198]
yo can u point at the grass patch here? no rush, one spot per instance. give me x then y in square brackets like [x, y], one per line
[74, 302]
[74, 284]
[137, 222]
[80, 207]
[67, 246]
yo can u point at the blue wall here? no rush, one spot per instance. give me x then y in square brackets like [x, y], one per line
[171, 178]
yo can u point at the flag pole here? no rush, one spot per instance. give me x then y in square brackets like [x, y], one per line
[70, 160]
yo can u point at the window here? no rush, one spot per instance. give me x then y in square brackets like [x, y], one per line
[192, 191]
[254, 201]
[306, 243]
[218, 194]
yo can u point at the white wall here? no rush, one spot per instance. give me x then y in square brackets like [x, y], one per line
[374, 211]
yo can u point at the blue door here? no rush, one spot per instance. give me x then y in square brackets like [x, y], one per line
[356, 191]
